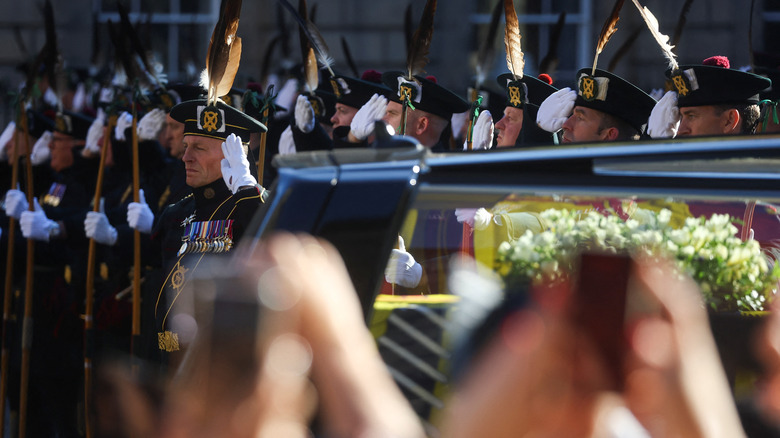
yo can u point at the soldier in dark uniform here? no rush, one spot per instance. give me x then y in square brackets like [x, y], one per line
[434, 106]
[351, 127]
[213, 219]
[254, 104]
[714, 99]
[60, 267]
[523, 96]
[605, 107]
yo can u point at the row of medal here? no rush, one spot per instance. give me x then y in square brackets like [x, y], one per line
[218, 245]
[207, 236]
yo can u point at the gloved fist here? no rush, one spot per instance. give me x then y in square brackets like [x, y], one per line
[50, 97]
[477, 218]
[235, 165]
[482, 133]
[40, 151]
[304, 115]
[139, 215]
[286, 98]
[106, 95]
[79, 98]
[5, 137]
[96, 227]
[665, 118]
[124, 121]
[402, 269]
[554, 111]
[150, 124]
[95, 133]
[15, 203]
[286, 142]
[35, 225]
[362, 124]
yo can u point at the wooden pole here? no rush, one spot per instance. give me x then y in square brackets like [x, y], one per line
[27, 322]
[89, 339]
[261, 152]
[470, 131]
[7, 291]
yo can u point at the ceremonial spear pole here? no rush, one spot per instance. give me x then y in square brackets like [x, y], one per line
[27, 322]
[9, 275]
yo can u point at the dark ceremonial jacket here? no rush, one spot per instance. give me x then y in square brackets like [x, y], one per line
[316, 140]
[210, 221]
[341, 139]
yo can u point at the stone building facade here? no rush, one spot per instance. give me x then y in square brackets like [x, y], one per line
[178, 32]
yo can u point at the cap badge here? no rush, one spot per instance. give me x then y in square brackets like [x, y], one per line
[340, 87]
[211, 119]
[588, 88]
[409, 91]
[681, 84]
[517, 93]
[317, 106]
[593, 87]
[166, 100]
[63, 123]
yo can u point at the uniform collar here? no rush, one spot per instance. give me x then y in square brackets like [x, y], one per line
[213, 193]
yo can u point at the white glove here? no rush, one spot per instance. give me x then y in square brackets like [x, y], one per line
[15, 203]
[286, 98]
[482, 133]
[40, 151]
[35, 225]
[96, 227]
[458, 122]
[554, 111]
[79, 98]
[477, 218]
[50, 97]
[106, 95]
[150, 124]
[94, 134]
[5, 137]
[235, 165]
[286, 142]
[362, 124]
[665, 118]
[304, 115]
[401, 268]
[124, 121]
[139, 215]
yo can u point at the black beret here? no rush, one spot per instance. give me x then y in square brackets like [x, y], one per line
[356, 92]
[426, 95]
[716, 84]
[324, 105]
[217, 122]
[611, 94]
[73, 124]
[38, 122]
[528, 90]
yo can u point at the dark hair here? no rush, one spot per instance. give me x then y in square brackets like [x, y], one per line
[625, 131]
[749, 114]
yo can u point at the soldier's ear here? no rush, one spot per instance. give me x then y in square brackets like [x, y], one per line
[422, 124]
[731, 121]
[611, 133]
